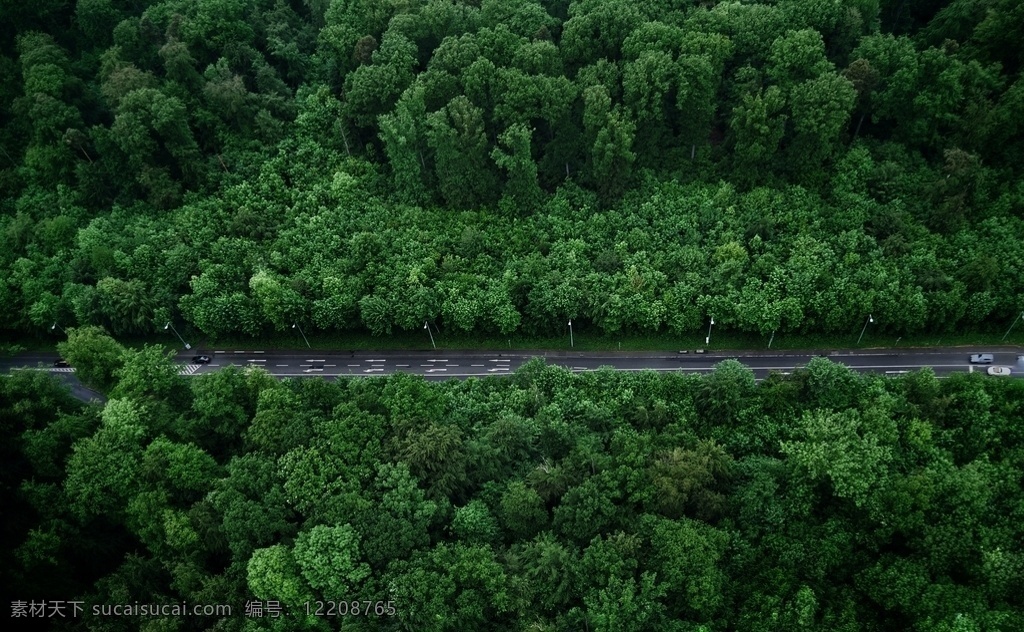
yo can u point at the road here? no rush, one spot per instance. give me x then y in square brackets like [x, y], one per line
[464, 364]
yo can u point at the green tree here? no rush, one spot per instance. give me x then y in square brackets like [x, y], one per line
[457, 136]
[522, 192]
[329, 560]
[95, 356]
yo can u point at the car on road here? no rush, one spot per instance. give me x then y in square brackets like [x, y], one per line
[201, 359]
[61, 363]
[999, 371]
[982, 358]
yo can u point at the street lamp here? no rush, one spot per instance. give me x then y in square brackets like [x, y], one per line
[571, 344]
[1021, 317]
[707, 340]
[869, 320]
[296, 326]
[771, 339]
[427, 327]
[187, 345]
[56, 326]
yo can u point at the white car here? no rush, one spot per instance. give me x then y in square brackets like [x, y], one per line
[999, 371]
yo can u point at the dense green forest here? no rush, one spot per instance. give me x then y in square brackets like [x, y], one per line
[499, 166]
[611, 502]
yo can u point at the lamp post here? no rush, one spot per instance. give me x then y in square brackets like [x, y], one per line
[570, 334]
[296, 326]
[869, 320]
[771, 339]
[707, 340]
[1021, 317]
[187, 345]
[427, 327]
[56, 326]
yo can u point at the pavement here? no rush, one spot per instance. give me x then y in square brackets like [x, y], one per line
[446, 364]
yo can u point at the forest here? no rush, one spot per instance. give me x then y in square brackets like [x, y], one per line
[825, 500]
[499, 166]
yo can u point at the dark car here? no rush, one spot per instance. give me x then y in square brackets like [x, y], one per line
[982, 358]
[201, 359]
[61, 363]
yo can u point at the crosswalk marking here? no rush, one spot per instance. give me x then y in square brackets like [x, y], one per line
[189, 369]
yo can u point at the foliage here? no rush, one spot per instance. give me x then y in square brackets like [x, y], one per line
[498, 168]
[828, 499]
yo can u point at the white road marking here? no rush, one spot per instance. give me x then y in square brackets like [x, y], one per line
[330, 365]
[453, 365]
[500, 368]
[312, 370]
[282, 365]
[376, 360]
[476, 365]
[257, 352]
[238, 352]
[219, 352]
[257, 360]
[371, 370]
[355, 365]
[435, 370]
[316, 360]
[402, 365]
[436, 361]
[426, 365]
[499, 360]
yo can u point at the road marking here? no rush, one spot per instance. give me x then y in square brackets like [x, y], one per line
[580, 368]
[499, 360]
[500, 368]
[436, 361]
[256, 360]
[282, 365]
[402, 365]
[476, 365]
[426, 365]
[238, 352]
[316, 360]
[257, 352]
[435, 370]
[371, 370]
[355, 365]
[376, 360]
[219, 352]
[453, 365]
[330, 365]
[312, 370]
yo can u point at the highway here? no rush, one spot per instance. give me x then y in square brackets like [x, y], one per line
[448, 364]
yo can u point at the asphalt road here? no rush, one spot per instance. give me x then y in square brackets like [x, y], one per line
[441, 364]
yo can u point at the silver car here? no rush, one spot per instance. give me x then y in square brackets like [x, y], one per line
[982, 358]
